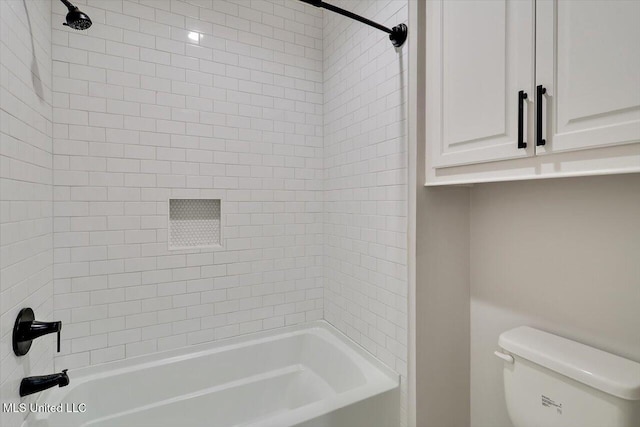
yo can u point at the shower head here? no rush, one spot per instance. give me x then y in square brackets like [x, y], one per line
[76, 19]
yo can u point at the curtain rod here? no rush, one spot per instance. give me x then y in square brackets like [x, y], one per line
[397, 34]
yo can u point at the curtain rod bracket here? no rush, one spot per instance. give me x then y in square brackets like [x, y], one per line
[398, 35]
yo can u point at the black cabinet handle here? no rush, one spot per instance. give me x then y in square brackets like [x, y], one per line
[521, 97]
[539, 92]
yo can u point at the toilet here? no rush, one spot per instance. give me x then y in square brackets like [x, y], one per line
[550, 381]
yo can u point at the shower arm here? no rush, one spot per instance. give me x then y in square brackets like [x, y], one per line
[68, 4]
[397, 34]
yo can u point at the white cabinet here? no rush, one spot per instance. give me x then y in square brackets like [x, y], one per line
[479, 57]
[588, 59]
[481, 54]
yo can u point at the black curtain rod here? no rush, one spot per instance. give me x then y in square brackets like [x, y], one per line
[397, 34]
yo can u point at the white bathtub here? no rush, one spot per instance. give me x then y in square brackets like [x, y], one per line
[301, 376]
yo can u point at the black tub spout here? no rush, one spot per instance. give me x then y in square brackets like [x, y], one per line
[30, 385]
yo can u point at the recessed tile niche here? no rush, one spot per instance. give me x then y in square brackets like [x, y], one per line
[194, 223]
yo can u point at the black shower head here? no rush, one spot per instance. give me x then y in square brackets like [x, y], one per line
[75, 18]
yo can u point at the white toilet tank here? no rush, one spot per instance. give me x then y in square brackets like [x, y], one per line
[551, 381]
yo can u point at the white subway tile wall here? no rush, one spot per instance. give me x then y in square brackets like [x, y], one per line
[365, 171]
[293, 118]
[26, 192]
[185, 100]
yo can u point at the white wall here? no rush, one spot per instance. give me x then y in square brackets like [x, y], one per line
[560, 255]
[26, 250]
[365, 171]
[442, 307]
[143, 113]
[438, 272]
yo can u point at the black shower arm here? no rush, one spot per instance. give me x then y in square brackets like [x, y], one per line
[397, 35]
[68, 4]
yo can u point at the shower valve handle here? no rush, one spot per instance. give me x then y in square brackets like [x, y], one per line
[26, 329]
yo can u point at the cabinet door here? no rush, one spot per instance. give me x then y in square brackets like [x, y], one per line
[479, 56]
[588, 60]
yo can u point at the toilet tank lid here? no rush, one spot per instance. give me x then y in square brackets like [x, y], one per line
[604, 371]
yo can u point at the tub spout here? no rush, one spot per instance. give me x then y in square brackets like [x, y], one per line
[30, 385]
